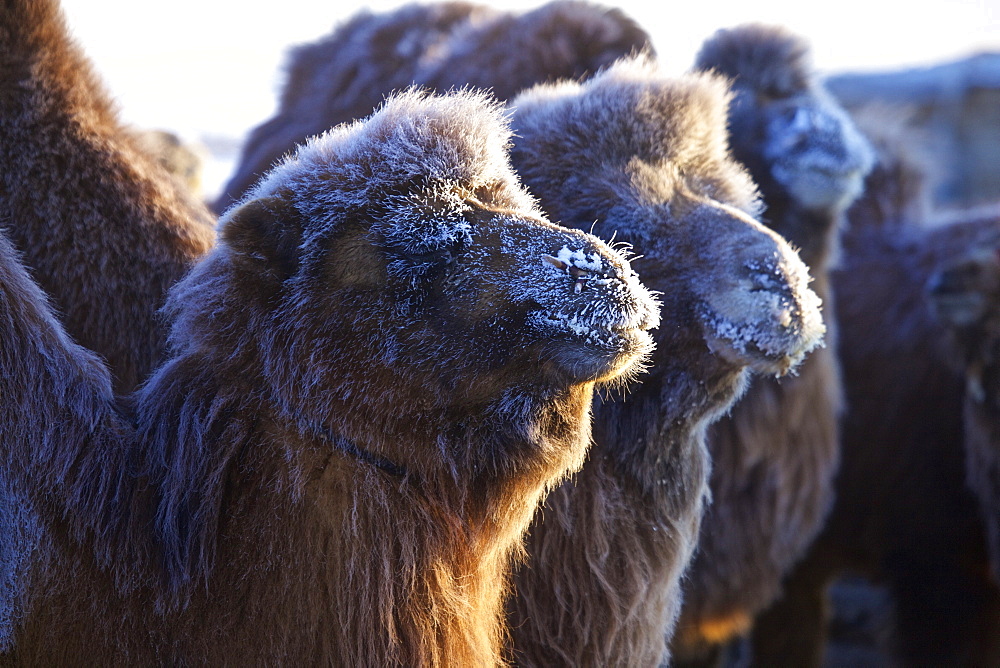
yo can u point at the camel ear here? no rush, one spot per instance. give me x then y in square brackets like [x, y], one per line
[266, 232]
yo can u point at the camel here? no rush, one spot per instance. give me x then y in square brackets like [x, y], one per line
[100, 226]
[775, 455]
[904, 516]
[439, 46]
[643, 158]
[373, 377]
[103, 228]
[965, 297]
[184, 160]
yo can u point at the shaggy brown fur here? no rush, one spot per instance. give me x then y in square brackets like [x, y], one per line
[646, 157]
[438, 46]
[372, 379]
[103, 229]
[663, 179]
[775, 455]
[903, 514]
[965, 296]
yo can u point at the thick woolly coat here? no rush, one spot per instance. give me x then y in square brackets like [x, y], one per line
[663, 179]
[965, 296]
[372, 380]
[775, 455]
[101, 228]
[904, 515]
[104, 230]
[643, 158]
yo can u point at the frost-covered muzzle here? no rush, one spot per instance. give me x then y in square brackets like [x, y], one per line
[817, 154]
[587, 294]
[773, 319]
[756, 306]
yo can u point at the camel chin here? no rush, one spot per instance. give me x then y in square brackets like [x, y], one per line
[819, 188]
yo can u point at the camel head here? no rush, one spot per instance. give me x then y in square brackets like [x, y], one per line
[794, 137]
[643, 158]
[966, 291]
[964, 295]
[397, 265]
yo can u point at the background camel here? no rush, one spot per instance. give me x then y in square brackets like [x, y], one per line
[904, 515]
[103, 228]
[440, 46]
[965, 296]
[183, 160]
[775, 455]
[643, 158]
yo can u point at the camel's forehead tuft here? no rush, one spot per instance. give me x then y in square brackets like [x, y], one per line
[668, 115]
[462, 137]
[632, 111]
[763, 57]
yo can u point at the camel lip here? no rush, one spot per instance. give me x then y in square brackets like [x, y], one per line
[820, 176]
[644, 324]
[749, 354]
[627, 355]
[959, 308]
[637, 335]
[596, 352]
[595, 332]
[774, 343]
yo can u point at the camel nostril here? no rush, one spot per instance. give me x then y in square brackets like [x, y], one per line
[764, 278]
[582, 268]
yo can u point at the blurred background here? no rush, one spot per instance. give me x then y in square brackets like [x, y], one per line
[210, 70]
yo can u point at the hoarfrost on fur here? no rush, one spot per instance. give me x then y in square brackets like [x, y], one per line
[782, 320]
[578, 258]
[566, 308]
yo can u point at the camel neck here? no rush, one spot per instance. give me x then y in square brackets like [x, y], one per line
[351, 448]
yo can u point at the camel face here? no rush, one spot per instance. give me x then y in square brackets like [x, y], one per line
[504, 285]
[783, 123]
[967, 291]
[395, 272]
[813, 147]
[642, 158]
[964, 294]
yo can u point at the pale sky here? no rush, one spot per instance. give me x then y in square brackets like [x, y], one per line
[212, 68]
